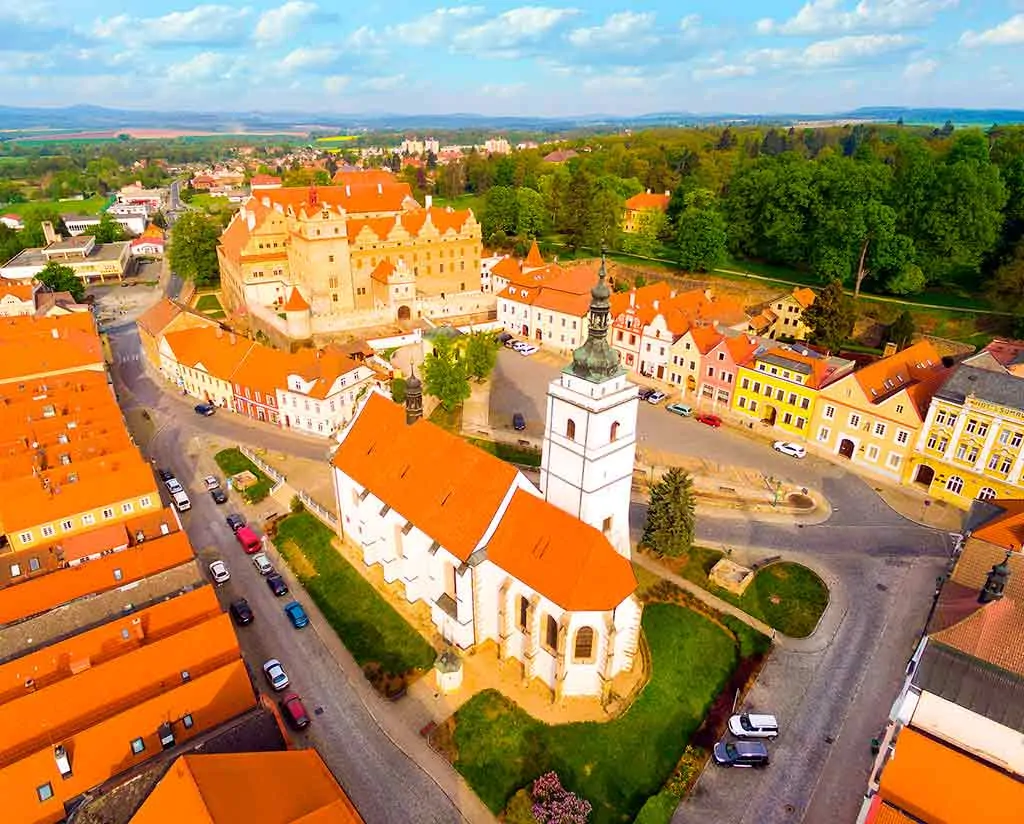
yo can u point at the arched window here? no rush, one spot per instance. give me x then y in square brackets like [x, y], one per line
[583, 649]
[986, 493]
[449, 580]
[955, 484]
[615, 431]
[570, 429]
[524, 614]
[551, 634]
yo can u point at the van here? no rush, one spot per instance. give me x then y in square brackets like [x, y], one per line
[181, 501]
[753, 725]
[249, 540]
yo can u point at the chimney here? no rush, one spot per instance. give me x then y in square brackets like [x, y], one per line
[995, 583]
[632, 297]
[708, 295]
[231, 338]
[648, 191]
[348, 190]
[49, 233]
[55, 334]
[668, 193]
[380, 188]
[219, 333]
[890, 349]
[428, 200]
[655, 304]
[60, 755]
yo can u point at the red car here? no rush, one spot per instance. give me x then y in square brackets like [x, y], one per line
[294, 712]
[249, 540]
[710, 420]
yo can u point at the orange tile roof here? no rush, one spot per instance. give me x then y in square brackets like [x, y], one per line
[153, 232]
[761, 321]
[209, 348]
[359, 198]
[567, 561]
[705, 338]
[321, 366]
[111, 536]
[264, 180]
[887, 814]
[741, 348]
[918, 369]
[976, 561]
[1007, 529]
[444, 220]
[158, 316]
[534, 259]
[295, 787]
[364, 177]
[993, 633]
[296, 303]
[507, 267]
[48, 345]
[382, 271]
[38, 595]
[803, 296]
[21, 291]
[263, 369]
[445, 486]
[102, 750]
[648, 200]
[936, 783]
[567, 303]
[643, 298]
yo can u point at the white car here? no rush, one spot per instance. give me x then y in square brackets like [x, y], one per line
[219, 571]
[794, 450]
[276, 675]
[753, 725]
[656, 397]
[211, 483]
[173, 486]
[262, 563]
[518, 345]
[528, 350]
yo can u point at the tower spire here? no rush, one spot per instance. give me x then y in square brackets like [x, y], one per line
[413, 397]
[596, 360]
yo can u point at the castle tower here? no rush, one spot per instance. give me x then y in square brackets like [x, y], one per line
[413, 399]
[298, 316]
[590, 431]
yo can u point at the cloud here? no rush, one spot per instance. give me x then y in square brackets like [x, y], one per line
[508, 33]
[918, 70]
[618, 29]
[818, 17]
[201, 68]
[284, 21]
[384, 84]
[503, 90]
[200, 25]
[1008, 33]
[724, 72]
[336, 83]
[308, 57]
[433, 28]
[628, 37]
[837, 53]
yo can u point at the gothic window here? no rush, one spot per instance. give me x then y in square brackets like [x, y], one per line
[583, 649]
[615, 431]
[551, 634]
[570, 429]
[524, 613]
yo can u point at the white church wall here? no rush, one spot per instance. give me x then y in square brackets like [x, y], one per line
[583, 676]
[627, 633]
[415, 565]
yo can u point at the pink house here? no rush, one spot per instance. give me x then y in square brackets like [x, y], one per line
[704, 362]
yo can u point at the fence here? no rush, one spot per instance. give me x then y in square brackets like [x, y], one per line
[280, 480]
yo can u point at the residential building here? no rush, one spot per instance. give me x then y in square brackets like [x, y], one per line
[638, 207]
[135, 194]
[204, 361]
[259, 182]
[532, 269]
[149, 244]
[47, 347]
[704, 363]
[560, 156]
[542, 574]
[969, 446]
[497, 145]
[162, 318]
[320, 390]
[778, 387]
[18, 298]
[134, 224]
[548, 305]
[1009, 353]
[782, 317]
[92, 262]
[872, 417]
[12, 221]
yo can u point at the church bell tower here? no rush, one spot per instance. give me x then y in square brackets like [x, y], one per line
[590, 431]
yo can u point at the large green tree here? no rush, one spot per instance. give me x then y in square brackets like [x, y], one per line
[500, 212]
[700, 232]
[10, 243]
[831, 317]
[193, 252]
[60, 278]
[107, 231]
[671, 514]
[1006, 290]
[901, 331]
[531, 213]
[444, 375]
[481, 355]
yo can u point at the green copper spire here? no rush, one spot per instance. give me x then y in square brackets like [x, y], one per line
[595, 360]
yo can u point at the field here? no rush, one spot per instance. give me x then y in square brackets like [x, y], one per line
[90, 206]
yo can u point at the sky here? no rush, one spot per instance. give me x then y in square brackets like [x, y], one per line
[615, 57]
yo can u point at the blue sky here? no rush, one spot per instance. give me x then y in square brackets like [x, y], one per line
[548, 58]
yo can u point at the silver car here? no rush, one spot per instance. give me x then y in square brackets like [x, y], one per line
[276, 675]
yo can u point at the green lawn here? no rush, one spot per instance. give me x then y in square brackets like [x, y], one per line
[367, 625]
[90, 206]
[616, 765]
[474, 202]
[211, 203]
[208, 303]
[232, 461]
[508, 452]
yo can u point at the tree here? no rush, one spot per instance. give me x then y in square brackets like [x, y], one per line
[1006, 289]
[831, 317]
[194, 248]
[481, 355]
[444, 375]
[500, 212]
[671, 514]
[398, 389]
[531, 214]
[58, 278]
[159, 220]
[700, 232]
[909, 280]
[107, 231]
[901, 331]
[553, 804]
[645, 239]
[10, 243]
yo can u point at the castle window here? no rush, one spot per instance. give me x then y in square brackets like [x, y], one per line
[583, 649]
[570, 429]
[524, 613]
[614, 431]
[551, 634]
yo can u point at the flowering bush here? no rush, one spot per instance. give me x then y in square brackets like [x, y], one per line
[553, 804]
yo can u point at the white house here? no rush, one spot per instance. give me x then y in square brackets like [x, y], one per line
[545, 576]
[12, 221]
[322, 391]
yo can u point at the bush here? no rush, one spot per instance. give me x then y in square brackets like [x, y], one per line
[398, 390]
[296, 505]
[553, 804]
[520, 809]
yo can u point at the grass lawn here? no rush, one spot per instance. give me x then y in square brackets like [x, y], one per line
[508, 452]
[367, 625]
[617, 765]
[89, 206]
[452, 421]
[232, 461]
[212, 203]
[208, 303]
[474, 202]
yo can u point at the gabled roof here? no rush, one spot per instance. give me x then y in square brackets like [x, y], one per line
[705, 338]
[569, 562]
[1006, 529]
[445, 486]
[413, 222]
[803, 296]
[918, 370]
[648, 200]
[159, 316]
[974, 379]
[219, 352]
[354, 198]
[295, 302]
[17, 289]
[741, 348]
[1007, 352]
[48, 345]
[993, 633]
[976, 561]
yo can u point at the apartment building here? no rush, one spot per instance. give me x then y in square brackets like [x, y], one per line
[704, 362]
[641, 205]
[548, 304]
[783, 317]
[872, 417]
[204, 359]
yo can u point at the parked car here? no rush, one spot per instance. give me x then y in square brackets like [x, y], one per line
[710, 420]
[181, 500]
[219, 496]
[205, 409]
[528, 350]
[518, 422]
[211, 482]
[173, 486]
[277, 584]
[235, 521]
[741, 754]
[262, 563]
[165, 474]
[656, 397]
[276, 675]
[241, 612]
[219, 571]
[679, 409]
[644, 393]
[294, 711]
[518, 344]
[754, 725]
[249, 540]
[794, 450]
[296, 614]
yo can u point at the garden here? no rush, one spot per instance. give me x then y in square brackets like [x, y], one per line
[232, 461]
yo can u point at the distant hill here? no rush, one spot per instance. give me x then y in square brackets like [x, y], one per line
[95, 118]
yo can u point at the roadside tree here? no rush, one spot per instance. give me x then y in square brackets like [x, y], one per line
[671, 514]
[444, 375]
[58, 278]
[194, 248]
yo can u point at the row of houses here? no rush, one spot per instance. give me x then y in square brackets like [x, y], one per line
[312, 390]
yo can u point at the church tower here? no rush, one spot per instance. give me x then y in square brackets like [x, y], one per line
[590, 431]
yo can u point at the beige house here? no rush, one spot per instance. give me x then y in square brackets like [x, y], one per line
[782, 318]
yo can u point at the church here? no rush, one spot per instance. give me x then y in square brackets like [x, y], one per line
[543, 573]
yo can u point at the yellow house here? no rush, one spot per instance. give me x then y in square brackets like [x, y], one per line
[969, 447]
[642, 204]
[872, 417]
[783, 318]
[778, 387]
[202, 361]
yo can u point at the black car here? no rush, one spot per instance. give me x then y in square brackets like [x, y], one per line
[241, 612]
[277, 585]
[645, 393]
[219, 496]
[205, 409]
[235, 521]
[518, 422]
[740, 754]
[165, 474]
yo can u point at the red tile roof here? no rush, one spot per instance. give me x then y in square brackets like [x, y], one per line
[803, 296]
[1005, 530]
[534, 259]
[648, 200]
[993, 633]
[265, 180]
[444, 220]
[357, 198]
[917, 369]
[705, 338]
[976, 561]
[296, 303]
[569, 562]
[218, 352]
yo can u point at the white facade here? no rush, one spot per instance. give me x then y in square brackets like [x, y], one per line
[486, 263]
[589, 452]
[77, 224]
[322, 416]
[655, 346]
